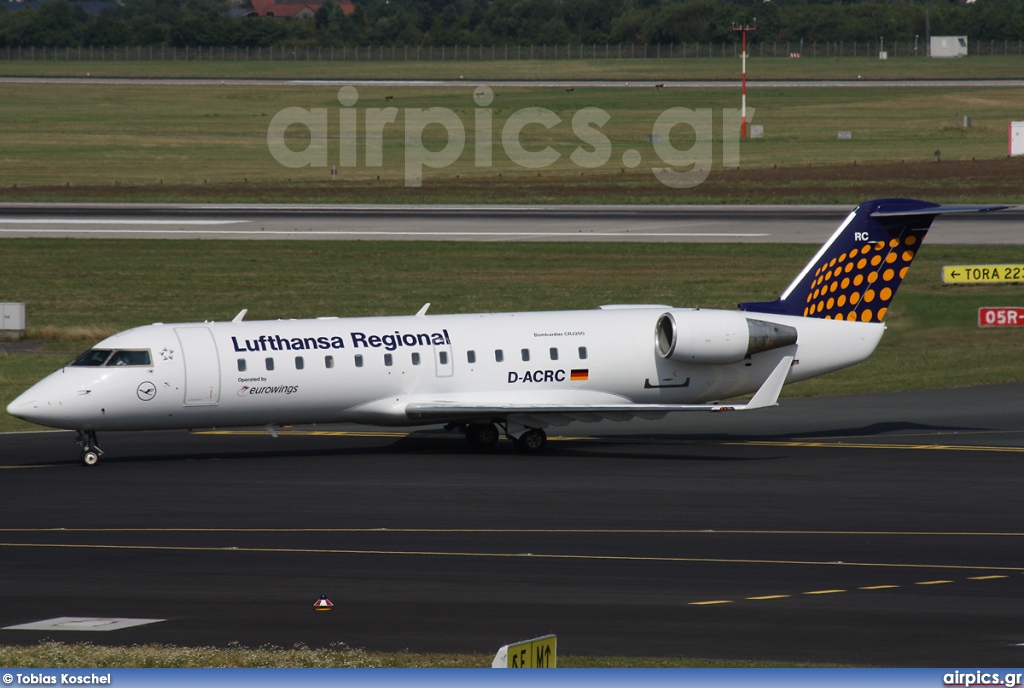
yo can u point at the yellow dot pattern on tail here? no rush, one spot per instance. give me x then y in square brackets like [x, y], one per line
[859, 284]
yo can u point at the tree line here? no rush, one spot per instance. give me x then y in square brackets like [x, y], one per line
[511, 22]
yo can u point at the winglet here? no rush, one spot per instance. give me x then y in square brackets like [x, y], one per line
[423, 311]
[768, 395]
[241, 314]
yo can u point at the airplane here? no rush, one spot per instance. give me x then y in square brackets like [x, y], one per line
[493, 374]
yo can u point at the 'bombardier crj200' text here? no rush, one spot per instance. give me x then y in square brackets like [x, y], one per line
[495, 373]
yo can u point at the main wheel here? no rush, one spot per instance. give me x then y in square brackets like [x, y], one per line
[532, 441]
[90, 457]
[481, 435]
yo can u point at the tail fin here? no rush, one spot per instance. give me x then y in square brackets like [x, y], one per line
[857, 272]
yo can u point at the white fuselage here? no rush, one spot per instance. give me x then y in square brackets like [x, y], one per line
[368, 370]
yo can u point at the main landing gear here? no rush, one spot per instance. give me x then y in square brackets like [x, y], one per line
[532, 441]
[481, 435]
[91, 451]
[485, 436]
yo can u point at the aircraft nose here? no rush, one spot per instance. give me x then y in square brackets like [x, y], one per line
[60, 401]
[24, 407]
[36, 408]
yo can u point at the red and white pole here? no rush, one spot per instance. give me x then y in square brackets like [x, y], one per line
[743, 97]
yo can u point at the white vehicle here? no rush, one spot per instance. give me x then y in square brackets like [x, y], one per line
[490, 374]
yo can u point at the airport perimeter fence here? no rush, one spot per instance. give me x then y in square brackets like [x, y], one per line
[427, 53]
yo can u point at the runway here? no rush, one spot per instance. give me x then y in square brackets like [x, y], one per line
[676, 223]
[880, 529]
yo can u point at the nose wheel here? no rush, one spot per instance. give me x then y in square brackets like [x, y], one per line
[90, 447]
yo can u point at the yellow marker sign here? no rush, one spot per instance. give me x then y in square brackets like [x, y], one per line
[982, 274]
[539, 653]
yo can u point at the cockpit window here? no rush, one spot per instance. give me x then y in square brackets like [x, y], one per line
[130, 358]
[93, 357]
[120, 357]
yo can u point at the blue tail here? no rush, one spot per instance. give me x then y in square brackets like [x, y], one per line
[857, 272]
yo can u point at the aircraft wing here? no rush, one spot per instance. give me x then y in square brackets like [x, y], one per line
[560, 413]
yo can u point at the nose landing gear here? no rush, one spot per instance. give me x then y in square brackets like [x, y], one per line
[91, 451]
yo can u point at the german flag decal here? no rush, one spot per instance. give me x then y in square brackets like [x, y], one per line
[579, 375]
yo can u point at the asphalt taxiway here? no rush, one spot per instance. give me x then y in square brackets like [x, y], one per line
[880, 529]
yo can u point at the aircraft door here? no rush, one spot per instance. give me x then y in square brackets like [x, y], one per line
[443, 360]
[202, 366]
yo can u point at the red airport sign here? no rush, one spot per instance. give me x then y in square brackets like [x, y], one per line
[1004, 316]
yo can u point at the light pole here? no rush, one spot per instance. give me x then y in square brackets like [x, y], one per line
[743, 98]
[915, 45]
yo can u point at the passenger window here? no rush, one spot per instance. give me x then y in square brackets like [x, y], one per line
[270, 364]
[415, 358]
[329, 361]
[554, 354]
[526, 354]
[442, 357]
[359, 360]
[499, 355]
[299, 363]
[583, 353]
[388, 359]
[471, 357]
[241, 365]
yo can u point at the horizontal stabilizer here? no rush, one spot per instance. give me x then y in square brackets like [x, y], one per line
[939, 210]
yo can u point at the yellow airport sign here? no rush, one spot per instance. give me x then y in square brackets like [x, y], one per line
[982, 274]
[539, 653]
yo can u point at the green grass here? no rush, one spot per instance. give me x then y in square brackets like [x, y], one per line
[107, 285]
[54, 655]
[209, 143]
[717, 68]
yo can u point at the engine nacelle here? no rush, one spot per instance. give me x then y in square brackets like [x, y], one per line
[717, 337]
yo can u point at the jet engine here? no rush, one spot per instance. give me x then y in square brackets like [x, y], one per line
[717, 337]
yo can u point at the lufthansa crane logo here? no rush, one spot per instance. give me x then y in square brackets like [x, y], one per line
[146, 391]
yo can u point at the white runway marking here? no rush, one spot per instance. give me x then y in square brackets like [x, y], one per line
[73, 221]
[82, 623]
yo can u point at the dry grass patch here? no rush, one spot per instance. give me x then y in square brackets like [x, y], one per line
[75, 334]
[55, 655]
